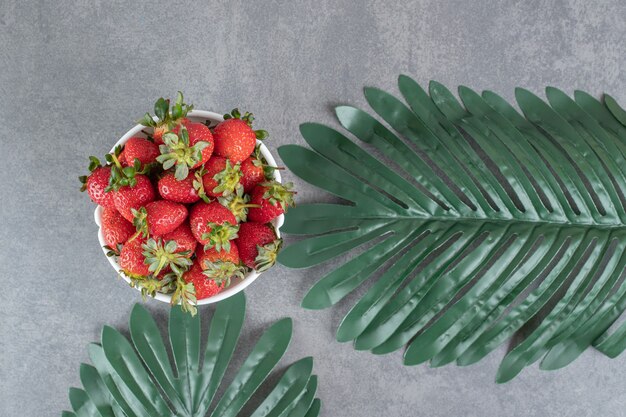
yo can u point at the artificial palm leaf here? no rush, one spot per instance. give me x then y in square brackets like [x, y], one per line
[137, 379]
[471, 221]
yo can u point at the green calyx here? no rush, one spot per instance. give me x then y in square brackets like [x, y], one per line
[165, 115]
[267, 255]
[140, 221]
[279, 194]
[160, 255]
[150, 285]
[113, 251]
[222, 271]
[228, 179]
[93, 164]
[124, 176]
[259, 161]
[238, 204]
[184, 294]
[248, 118]
[198, 184]
[220, 235]
[176, 151]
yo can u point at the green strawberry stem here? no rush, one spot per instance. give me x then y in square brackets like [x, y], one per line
[159, 255]
[222, 272]
[228, 179]
[220, 235]
[124, 176]
[279, 194]
[267, 255]
[176, 151]
[166, 116]
[238, 204]
[140, 221]
[185, 295]
[198, 184]
[149, 285]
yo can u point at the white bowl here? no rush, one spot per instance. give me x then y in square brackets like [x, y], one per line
[237, 284]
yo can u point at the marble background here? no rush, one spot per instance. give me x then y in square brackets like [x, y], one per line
[74, 74]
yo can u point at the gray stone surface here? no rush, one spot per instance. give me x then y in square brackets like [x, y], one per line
[75, 74]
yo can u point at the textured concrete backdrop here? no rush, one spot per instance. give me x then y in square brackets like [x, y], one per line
[75, 74]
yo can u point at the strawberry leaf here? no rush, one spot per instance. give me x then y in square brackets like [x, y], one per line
[161, 108]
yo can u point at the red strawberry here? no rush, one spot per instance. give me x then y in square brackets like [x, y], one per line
[166, 118]
[163, 256]
[179, 191]
[183, 237]
[213, 225]
[159, 217]
[252, 172]
[132, 260]
[204, 257]
[160, 130]
[122, 158]
[199, 132]
[234, 139]
[142, 149]
[204, 286]
[115, 228]
[273, 199]
[179, 150]
[220, 177]
[128, 198]
[97, 182]
[221, 266]
[238, 204]
[258, 245]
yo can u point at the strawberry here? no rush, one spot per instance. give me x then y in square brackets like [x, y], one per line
[178, 151]
[132, 260]
[163, 256]
[252, 173]
[140, 148]
[234, 137]
[167, 119]
[255, 170]
[185, 242]
[179, 191]
[159, 217]
[258, 245]
[204, 286]
[199, 132]
[238, 204]
[97, 182]
[204, 257]
[127, 198]
[213, 225]
[122, 173]
[115, 228]
[220, 177]
[221, 266]
[273, 198]
[159, 131]
[122, 158]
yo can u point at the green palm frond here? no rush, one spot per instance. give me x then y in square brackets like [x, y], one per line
[471, 221]
[137, 379]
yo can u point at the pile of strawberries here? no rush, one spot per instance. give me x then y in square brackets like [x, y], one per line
[188, 206]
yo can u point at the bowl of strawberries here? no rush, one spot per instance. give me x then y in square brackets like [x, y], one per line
[190, 204]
